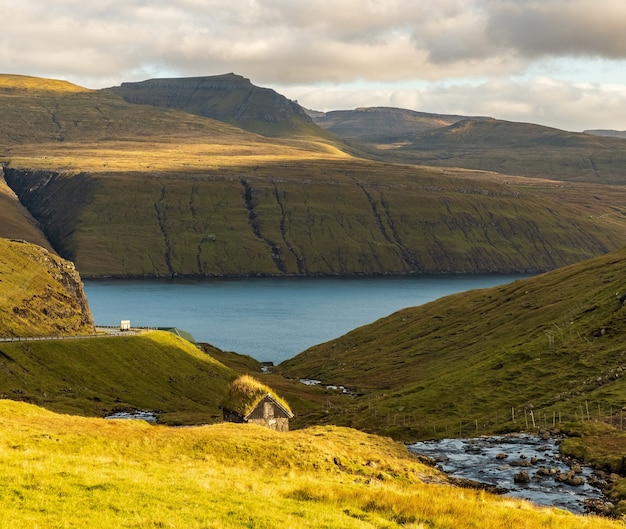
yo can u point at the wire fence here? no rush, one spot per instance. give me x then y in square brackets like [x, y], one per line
[503, 420]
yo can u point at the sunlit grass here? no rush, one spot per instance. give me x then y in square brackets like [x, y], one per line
[61, 471]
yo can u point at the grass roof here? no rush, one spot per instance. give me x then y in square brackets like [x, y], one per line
[246, 392]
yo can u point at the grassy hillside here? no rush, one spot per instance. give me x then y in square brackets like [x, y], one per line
[74, 472]
[324, 217]
[487, 144]
[133, 190]
[156, 371]
[536, 352]
[230, 98]
[40, 293]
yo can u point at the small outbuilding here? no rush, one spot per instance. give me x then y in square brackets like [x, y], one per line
[250, 401]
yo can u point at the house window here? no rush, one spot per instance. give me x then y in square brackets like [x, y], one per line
[268, 410]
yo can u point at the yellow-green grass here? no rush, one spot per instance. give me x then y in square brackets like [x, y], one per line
[246, 392]
[536, 352]
[40, 293]
[70, 472]
[155, 371]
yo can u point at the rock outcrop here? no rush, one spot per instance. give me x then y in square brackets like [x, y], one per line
[41, 294]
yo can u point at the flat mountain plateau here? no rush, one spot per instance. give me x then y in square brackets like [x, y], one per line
[131, 190]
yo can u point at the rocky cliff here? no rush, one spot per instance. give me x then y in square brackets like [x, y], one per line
[40, 293]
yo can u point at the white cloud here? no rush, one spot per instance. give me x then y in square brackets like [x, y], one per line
[540, 100]
[478, 46]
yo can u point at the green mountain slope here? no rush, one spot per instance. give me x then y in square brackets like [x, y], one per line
[134, 190]
[16, 222]
[229, 98]
[482, 361]
[320, 218]
[482, 143]
[40, 293]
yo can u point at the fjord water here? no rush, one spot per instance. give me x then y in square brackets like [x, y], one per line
[270, 319]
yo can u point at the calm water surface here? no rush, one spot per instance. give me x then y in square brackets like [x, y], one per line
[270, 319]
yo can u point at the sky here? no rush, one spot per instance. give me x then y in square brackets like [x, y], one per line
[560, 63]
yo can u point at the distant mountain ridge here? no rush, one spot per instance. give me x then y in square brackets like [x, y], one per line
[138, 190]
[406, 136]
[607, 132]
[372, 123]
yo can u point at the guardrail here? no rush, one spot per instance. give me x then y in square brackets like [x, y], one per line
[117, 334]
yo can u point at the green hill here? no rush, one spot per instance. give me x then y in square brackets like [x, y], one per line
[481, 143]
[16, 221]
[374, 125]
[155, 371]
[538, 351]
[133, 190]
[40, 293]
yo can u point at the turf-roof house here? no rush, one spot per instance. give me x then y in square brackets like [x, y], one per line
[250, 401]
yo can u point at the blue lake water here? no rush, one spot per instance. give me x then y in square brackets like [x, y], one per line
[270, 319]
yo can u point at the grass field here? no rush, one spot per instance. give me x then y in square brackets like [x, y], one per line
[70, 472]
[155, 371]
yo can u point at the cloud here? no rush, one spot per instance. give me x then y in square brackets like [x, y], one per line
[322, 43]
[307, 41]
[541, 100]
[559, 27]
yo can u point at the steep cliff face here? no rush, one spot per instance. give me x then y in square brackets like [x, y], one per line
[16, 222]
[55, 201]
[41, 294]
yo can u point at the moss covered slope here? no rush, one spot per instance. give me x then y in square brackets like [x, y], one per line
[134, 190]
[156, 371]
[484, 360]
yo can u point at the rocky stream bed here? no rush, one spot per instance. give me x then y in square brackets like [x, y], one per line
[522, 466]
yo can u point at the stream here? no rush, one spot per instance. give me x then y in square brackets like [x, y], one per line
[497, 460]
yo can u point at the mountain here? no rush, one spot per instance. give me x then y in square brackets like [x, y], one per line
[379, 124]
[489, 144]
[230, 98]
[609, 133]
[130, 190]
[539, 351]
[40, 293]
